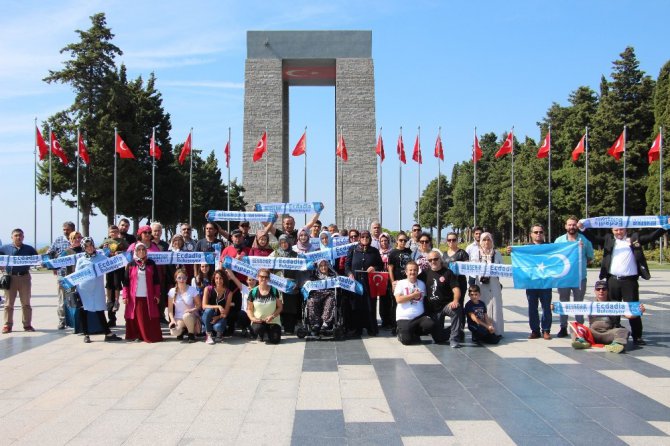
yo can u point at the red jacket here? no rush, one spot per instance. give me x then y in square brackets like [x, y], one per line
[130, 288]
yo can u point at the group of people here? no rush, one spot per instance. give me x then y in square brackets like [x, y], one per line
[422, 291]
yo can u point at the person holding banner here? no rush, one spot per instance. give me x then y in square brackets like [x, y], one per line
[68, 294]
[264, 306]
[623, 263]
[177, 244]
[145, 237]
[116, 245]
[237, 250]
[399, 257]
[491, 290]
[211, 238]
[303, 244]
[141, 294]
[57, 247]
[247, 238]
[315, 230]
[261, 246]
[92, 293]
[456, 254]
[292, 304]
[20, 284]
[288, 228]
[186, 231]
[473, 248]
[411, 318]
[362, 260]
[321, 305]
[604, 329]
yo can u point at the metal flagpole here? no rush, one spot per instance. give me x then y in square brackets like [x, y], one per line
[474, 180]
[225, 156]
[400, 189]
[51, 196]
[267, 155]
[190, 184]
[624, 170]
[418, 189]
[35, 191]
[115, 139]
[512, 142]
[660, 187]
[78, 158]
[344, 215]
[153, 174]
[381, 186]
[305, 182]
[586, 153]
[337, 171]
[549, 221]
[437, 204]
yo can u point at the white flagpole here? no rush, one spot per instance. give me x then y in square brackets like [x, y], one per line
[418, 189]
[400, 188]
[190, 183]
[474, 180]
[78, 158]
[344, 215]
[115, 139]
[305, 181]
[660, 188]
[381, 185]
[624, 170]
[228, 165]
[267, 155]
[153, 174]
[437, 205]
[586, 168]
[35, 191]
[51, 196]
[549, 221]
[337, 171]
[512, 142]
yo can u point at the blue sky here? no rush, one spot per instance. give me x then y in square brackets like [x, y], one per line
[445, 64]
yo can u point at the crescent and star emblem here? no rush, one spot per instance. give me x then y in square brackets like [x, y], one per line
[377, 279]
[544, 269]
[123, 146]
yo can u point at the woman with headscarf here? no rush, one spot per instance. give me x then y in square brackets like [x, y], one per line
[176, 245]
[292, 301]
[490, 288]
[303, 245]
[261, 246]
[362, 260]
[141, 294]
[386, 301]
[92, 292]
[321, 304]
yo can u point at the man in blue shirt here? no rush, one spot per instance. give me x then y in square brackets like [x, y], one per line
[573, 235]
[20, 283]
[57, 247]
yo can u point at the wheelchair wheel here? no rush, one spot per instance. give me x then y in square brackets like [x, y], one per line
[301, 332]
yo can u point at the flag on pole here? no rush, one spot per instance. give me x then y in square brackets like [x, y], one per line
[186, 150]
[617, 148]
[226, 152]
[416, 154]
[122, 148]
[379, 149]
[545, 147]
[401, 150]
[579, 149]
[41, 144]
[439, 150]
[301, 146]
[655, 150]
[476, 151]
[83, 150]
[507, 146]
[341, 150]
[57, 150]
[154, 149]
[261, 147]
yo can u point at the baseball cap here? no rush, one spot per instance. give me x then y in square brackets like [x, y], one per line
[600, 284]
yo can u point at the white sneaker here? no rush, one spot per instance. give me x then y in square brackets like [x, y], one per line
[209, 340]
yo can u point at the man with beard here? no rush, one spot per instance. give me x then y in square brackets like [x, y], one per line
[124, 225]
[442, 299]
[573, 235]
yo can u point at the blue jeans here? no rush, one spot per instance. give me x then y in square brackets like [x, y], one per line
[544, 298]
[219, 326]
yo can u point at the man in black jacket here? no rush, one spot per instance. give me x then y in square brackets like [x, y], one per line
[623, 263]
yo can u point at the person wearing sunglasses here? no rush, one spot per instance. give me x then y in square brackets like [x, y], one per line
[362, 260]
[443, 297]
[399, 257]
[144, 236]
[420, 255]
[415, 234]
[456, 254]
[264, 306]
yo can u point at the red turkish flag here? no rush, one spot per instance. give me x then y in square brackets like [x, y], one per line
[154, 149]
[476, 151]
[301, 146]
[439, 150]
[545, 147]
[401, 150]
[42, 146]
[341, 149]
[122, 148]
[57, 150]
[378, 283]
[579, 149]
[261, 147]
[186, 150]
[416, 154]
[83, 150]
[655, 151]
[226, 152]
[618, 147]
[507, 147]
[379, 149]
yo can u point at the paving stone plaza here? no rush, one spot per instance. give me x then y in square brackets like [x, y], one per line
[54, 389]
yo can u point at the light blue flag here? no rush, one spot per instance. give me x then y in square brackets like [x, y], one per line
[549, 265]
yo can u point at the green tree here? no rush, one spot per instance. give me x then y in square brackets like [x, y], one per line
[428, 204]
[661, 119]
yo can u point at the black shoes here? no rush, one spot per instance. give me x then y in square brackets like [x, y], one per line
[639, 341]
[562, 333]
